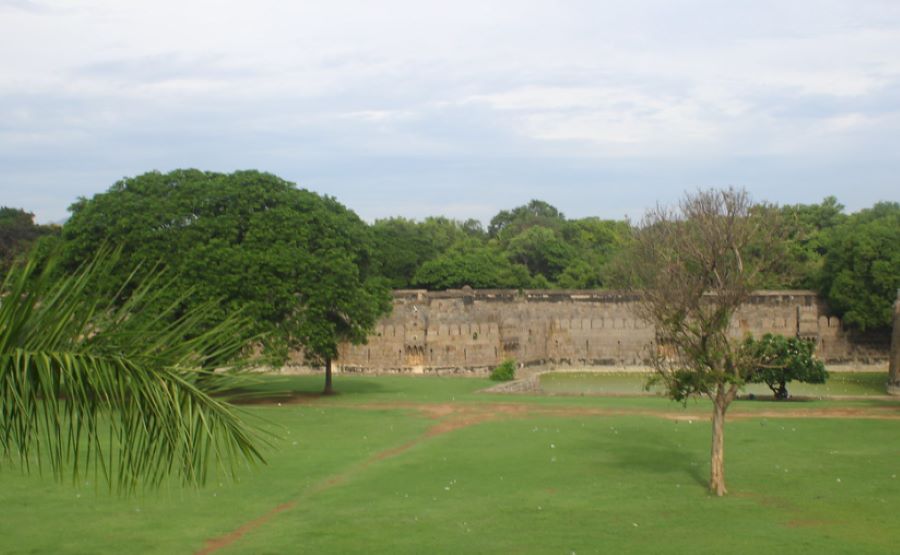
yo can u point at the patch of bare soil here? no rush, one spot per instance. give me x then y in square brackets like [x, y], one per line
[294, 398]
[808, 523]
[866, 413]
[220, 542]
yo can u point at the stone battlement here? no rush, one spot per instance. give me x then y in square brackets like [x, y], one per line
[473, 330]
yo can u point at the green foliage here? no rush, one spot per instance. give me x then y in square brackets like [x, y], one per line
[117, 386]
[505, 372]
[18, 233]
[809, 227]
[529, 246]
[781, 360]
[473, 264]
[296, 263]
[541, 250]
[861, 271]
[401, 246]
[399, 249]
[509, 223]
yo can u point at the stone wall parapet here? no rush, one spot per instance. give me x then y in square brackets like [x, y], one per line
[472, 330]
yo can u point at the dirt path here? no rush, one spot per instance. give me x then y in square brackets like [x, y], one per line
[440, 410]
[456, 416]
[450, 418]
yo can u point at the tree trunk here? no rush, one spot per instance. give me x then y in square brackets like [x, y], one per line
[717, 456]
[782, 392]
[328, 389]
[894, 367]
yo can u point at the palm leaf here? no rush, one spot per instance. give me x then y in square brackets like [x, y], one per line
[117, 385]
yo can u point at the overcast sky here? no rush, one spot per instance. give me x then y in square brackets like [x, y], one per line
[456, 108]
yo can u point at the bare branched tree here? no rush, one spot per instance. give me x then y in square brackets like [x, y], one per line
[696, 264]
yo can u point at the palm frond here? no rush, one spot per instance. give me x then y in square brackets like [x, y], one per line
[119, 385]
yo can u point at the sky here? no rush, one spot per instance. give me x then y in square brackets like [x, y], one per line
[461, 109]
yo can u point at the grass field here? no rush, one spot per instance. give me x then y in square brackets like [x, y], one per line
[594, 383]
[429, 465]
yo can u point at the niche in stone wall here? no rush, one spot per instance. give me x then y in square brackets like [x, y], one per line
[415, 355]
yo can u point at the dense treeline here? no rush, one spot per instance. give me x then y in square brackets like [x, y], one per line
[531, 246]
[260, 243]
[853, 260]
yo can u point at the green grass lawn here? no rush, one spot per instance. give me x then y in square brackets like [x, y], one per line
[594, 383]
[429, 465]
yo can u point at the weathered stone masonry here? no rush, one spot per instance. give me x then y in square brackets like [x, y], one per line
[461, 331]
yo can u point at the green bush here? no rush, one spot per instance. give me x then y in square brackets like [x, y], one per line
[505, 372]
[781, 360]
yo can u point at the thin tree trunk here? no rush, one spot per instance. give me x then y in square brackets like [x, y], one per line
[894, 365]
[782, 391]
[328, 389]
[717, 456]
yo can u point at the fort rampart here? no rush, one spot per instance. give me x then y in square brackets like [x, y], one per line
[471, 331]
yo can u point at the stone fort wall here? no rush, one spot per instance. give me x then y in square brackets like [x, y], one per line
[471, 331]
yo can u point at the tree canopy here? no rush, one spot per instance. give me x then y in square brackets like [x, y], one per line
[781, 360]
[296, 263]
[473, 264]
[861, 270]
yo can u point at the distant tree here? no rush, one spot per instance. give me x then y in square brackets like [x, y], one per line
[695, 265]
[581, 274]
[401, 246]
[473, 264]
[443, 233]
[509, 223]
[541, 250]
[473, 228]
[594, 243]
[861, 271]
[296, 263]
[808, 227]
[781, 360]
[18, 232]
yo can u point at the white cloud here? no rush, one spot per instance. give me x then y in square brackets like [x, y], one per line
[347, 89]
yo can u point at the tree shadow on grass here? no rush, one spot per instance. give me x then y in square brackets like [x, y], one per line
[653, 453]
[269, 390]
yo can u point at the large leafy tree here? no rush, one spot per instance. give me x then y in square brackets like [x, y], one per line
[296, 263]
[695, 265]
[861, 270]
[117, 386]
